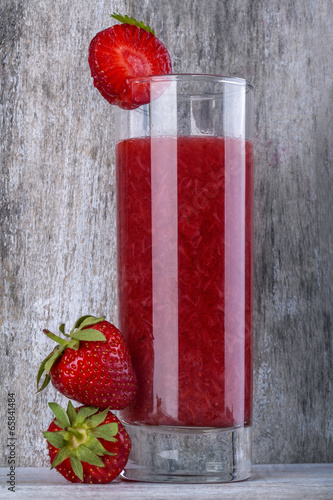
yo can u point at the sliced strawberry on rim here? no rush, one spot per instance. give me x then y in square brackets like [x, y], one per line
[122, 52]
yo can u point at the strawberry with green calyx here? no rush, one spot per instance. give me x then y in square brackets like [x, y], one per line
[87, 445]
[122, 52]
[91, 365]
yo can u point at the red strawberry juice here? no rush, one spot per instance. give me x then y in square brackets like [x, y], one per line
[184, 223]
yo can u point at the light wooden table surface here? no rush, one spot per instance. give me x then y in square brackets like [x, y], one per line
[301, 481]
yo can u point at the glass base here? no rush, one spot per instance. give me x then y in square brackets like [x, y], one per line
[188, 454]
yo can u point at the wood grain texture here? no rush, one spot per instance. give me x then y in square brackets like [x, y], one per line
[269, 482]
[58, 197]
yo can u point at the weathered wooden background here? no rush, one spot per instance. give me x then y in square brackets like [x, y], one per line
[58, 206]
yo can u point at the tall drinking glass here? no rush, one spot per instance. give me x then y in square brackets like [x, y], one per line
[184, 166]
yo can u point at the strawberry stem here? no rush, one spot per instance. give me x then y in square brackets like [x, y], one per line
[79, 436]
[55, 337]
[132, 20]
[76, 440]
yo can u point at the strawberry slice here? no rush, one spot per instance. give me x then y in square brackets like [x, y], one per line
[123, 52]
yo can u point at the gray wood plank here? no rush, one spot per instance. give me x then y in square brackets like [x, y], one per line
[269, 482]
[58, 205]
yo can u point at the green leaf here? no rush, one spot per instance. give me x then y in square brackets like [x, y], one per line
[88, 456]
[65, 434]
[50, 362]
[61, 415]
[89, 334]
[106, 431]
[54, 438]
[58, 424]
[61, 456]
[42, 368]
[55, 355]
[91, 320]
[84, 413]
[54, 337]
[76, 432]
[62, 330]
[96, 446]
[73, 344]
[131, 20]
[76, 466]
[45, 383]
[97, 419]
[71, 412]
[80, 321]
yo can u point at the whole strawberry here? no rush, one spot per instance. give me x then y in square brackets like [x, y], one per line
[92, 365]
[87, 445]
[122, 52]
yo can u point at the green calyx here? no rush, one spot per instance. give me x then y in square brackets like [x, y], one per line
[79, 436]
[131, 20]
[80, 331]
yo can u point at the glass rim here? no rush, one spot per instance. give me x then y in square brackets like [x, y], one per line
[194, 77]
